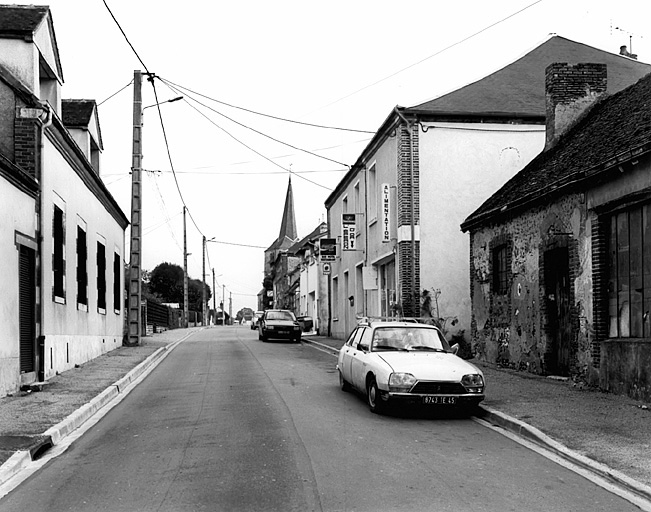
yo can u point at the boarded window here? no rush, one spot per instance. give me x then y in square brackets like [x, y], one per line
[117, 289]
[629, 273]
[82, 271]
[101, 277]
[58, 260]
[500, 274]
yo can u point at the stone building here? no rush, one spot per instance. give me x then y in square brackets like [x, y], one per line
[560, 256]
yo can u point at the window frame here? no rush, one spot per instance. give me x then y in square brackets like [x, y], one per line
[499, 273]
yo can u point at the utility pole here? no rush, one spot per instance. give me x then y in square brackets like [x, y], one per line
[230, 304]
[203, 288]
[214, 298]
[186, 311]
[224, 304]
[135, 261]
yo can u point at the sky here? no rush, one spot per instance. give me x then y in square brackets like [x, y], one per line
[255, 74]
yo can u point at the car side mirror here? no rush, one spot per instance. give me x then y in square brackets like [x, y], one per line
[455, 348]
[363, 348]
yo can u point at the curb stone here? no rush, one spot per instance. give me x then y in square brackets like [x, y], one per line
[53, 436]
[534, 435]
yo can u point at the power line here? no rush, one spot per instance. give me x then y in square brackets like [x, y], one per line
[126, 38]
[431, 56]
[249, 147]
[115, 93]
[257, 131]
[265, 115]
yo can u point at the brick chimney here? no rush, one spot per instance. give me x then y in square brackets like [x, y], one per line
[570, 91]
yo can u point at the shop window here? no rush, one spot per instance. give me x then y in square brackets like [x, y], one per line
[629, 273]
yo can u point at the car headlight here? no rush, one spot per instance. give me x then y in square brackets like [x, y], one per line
[401, 381]
[473, 382]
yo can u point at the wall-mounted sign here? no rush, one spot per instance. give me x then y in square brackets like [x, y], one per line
[326, 269]
[328, 249]
[386, 213]
[348, 232]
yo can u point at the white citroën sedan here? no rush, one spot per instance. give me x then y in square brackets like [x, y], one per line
[409, 363]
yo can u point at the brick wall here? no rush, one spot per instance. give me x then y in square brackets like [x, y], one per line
[26, 145]
[408, 264]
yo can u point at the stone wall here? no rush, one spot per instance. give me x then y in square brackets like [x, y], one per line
[512, 329]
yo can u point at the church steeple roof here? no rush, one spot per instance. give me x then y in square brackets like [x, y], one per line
[288, 224]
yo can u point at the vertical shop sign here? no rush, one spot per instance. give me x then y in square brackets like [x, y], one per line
[349, 232]
[386, 213]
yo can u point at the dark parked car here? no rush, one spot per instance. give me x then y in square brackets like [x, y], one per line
[279, 324]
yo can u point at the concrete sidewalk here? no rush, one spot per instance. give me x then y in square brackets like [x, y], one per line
[31, 422]
[608, 435]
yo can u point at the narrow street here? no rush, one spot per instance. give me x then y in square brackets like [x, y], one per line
[230, 423]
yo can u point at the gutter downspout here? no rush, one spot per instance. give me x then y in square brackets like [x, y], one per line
[40, 337]
[411, 209]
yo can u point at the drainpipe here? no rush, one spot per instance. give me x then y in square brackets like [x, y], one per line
[414, 292]
[40, 348]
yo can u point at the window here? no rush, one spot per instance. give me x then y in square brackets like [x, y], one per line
[629, 273]
[58, 258]
[356, 199]
[372, 194]
[117, 289]
[82, 271]
[500, 273]
[101, 277]
[335, 297]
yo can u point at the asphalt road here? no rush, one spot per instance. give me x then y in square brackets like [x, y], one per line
[229, 423]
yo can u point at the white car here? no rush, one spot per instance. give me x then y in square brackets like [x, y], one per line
[403, 362]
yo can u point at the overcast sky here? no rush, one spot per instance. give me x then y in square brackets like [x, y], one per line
[342, 64]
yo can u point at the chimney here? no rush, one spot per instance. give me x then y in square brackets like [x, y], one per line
[624, 51]
[570, 91]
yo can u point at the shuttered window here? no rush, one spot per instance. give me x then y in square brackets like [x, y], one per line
[101, 277]
[58, 258]
[82, 267]
[117, 289]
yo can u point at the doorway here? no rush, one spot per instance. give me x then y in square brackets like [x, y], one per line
[557, 298]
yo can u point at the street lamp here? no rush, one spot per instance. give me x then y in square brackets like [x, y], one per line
[167, 101]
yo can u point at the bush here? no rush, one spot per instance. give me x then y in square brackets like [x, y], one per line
[465, 351]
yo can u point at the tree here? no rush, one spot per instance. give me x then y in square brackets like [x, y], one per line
[195, 296]
[166, 282]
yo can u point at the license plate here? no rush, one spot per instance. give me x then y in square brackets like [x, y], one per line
[283, 332]
[442, 400]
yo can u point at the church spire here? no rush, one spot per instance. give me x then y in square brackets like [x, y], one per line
[288, 225]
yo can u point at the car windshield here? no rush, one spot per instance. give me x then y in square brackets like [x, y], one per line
[280, 315]
[409, 339]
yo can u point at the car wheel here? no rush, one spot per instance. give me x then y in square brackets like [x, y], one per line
[375, 402]
[343, 383]
[297, 340]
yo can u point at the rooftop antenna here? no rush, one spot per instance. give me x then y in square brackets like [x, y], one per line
[630, 39]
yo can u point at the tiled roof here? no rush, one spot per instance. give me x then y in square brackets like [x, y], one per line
[519, 88]
[21, 19]
[77, 112]
[615, 125]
